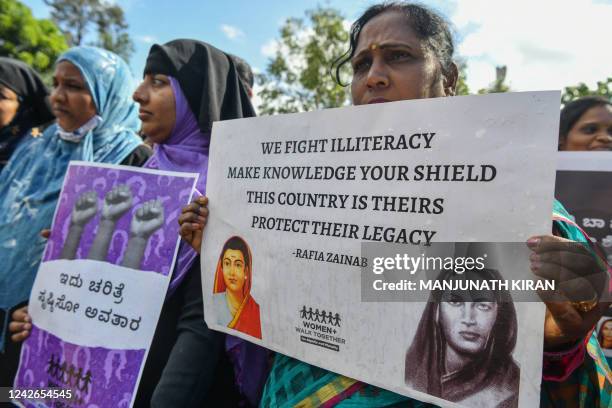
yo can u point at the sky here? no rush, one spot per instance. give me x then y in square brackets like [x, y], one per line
[546, 44]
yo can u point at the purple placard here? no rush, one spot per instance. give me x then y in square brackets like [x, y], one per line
[99, 376]
[96, 376]
[144, 187]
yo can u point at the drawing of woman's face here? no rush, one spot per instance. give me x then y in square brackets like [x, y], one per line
[467, 325]
[234, 274]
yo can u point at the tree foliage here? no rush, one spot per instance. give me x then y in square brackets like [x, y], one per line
[78, 18]
[36, 42]
[604, 88]
[298, 77]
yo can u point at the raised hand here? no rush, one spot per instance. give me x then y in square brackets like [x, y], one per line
[147, 219]
[85, 208]
[192, 221]
[117, 202]
[581, 283]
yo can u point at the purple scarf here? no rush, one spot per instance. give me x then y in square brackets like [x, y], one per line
[186, 150]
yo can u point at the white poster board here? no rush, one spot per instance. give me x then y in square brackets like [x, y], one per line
[303, 191]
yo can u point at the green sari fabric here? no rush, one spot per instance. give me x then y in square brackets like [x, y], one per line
[293, 383]
[590, 385]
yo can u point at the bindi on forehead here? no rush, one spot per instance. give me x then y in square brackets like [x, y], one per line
[233, 254]
[390, 26]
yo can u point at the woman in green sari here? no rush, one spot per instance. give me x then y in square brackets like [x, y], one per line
[404, 51]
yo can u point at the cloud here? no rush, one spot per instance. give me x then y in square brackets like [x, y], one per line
[546, 44]
[231, 32]
[147, 39]
[301, 37]
[269, 48]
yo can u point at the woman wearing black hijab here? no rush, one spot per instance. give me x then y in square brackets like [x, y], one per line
[23, 104]
[187, 364]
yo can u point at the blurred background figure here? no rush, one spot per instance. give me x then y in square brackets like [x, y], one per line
[23, 104]
[586, 125]
[245, 73]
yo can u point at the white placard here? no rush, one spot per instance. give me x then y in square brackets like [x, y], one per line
[477, 168]
[123, 294]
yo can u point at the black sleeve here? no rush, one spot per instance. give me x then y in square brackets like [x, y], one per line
[138, 157]
[197, 371]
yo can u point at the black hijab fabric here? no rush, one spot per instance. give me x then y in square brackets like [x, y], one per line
[34, 109]
[208, 78]
[26, 83]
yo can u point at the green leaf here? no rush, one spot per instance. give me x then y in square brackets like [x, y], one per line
[36, 42]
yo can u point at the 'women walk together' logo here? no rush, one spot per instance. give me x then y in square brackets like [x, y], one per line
[320, 316]
[320, 327]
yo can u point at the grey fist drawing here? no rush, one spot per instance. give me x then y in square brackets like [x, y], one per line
[117, 202]
[148, 218]
[85, 208]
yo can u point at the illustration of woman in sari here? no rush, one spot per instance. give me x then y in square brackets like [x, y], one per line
[462, 350]
[232, 300]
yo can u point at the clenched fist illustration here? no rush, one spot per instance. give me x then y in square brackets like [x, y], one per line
[147, 219]
[117, 202]
[85, 208]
